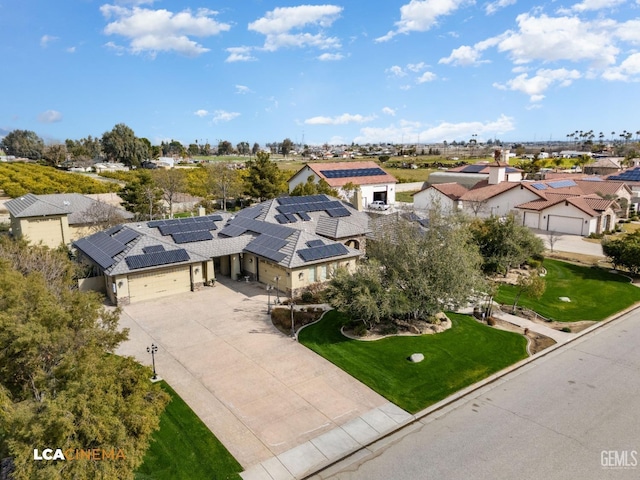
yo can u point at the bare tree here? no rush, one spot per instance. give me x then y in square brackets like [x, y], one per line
[552, 239]
[100, 216]
[476, 204]
[223, 182]
[171, 182]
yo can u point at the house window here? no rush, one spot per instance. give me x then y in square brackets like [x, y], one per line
[323, 272]
[312, 274]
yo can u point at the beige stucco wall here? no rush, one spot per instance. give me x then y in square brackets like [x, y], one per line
[51, 231]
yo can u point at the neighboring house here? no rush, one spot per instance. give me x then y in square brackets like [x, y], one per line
[604, 166]
[375, 184]
[470, 175]
[290, 242]
[444, 195]
[57, 219]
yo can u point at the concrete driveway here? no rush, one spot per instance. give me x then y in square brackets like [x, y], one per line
[259, 391]
[571, 243]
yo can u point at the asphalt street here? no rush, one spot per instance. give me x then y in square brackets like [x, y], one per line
[572, 414]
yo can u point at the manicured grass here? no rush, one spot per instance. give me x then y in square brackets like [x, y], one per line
[405, 196]
[594, 292]
[184, 448]
[454, 359]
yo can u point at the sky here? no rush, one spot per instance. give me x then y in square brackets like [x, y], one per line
[403, 72]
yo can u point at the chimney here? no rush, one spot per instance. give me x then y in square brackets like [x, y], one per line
[356, 201]
[201, 212]
[497, 173]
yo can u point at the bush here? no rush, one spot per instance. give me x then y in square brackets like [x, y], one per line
[597, 236]
[535, 264]
[491, 322]
[360, 330]
[566, 329]
[281, 317]
[307, 296]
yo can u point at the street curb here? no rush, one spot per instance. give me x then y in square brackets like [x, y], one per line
[442, 404]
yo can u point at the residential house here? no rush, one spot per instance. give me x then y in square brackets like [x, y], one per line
[446, 196]
[375, 184]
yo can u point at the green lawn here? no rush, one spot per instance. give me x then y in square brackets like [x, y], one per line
[594, 292]
[184, 448]
[461, 356]
[405, 196]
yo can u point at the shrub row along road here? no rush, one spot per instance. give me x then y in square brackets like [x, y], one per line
[570, 414]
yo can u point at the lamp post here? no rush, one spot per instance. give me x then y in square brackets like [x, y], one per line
[269, 288]
[293, 325]
[277, 280]
[152, 350]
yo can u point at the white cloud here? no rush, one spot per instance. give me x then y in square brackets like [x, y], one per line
[416, 67]
[559, 38]
[426, 77]
[492, 7]
[330, 57]
[278, 24]
[444, 131]
[239, 54]
[50, 116]
[343, 119]
[389, 111]
[629, 69]
[156, 31]
[223, 116]
[536, 85]
[396, 71]
[117, 49]
[463, 56]
[201, 113]
[590, 5]
[242, 89]
[45, 40]
[421, 15]
[629, 31]
[71, 50]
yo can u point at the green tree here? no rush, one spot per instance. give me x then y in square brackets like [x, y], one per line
[121, 145]
[286, 147]
[61, 386]
[142, 196]
[55, 154]
[225, 148]
[504, 243]
[255, 149]
[264, 179]
[624, 251]
[223, 182]
[310, 187]
[24, 144]
[532, 286]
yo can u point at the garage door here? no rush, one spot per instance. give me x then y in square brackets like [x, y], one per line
[532, 219]
[572, 225]
[159, 283]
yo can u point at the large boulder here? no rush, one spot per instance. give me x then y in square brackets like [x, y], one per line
[416, 357]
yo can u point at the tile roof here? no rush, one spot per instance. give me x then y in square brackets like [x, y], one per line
[318, 168]
[483, 191]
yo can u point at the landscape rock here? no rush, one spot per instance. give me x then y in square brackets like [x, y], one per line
[416, 357]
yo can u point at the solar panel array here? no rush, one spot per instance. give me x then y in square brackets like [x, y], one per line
[322, 252]
[187, 227]
[153, 248]
[303, 205]
[194, 236]
[632, 175]
[241, 225]
[155, 259]
[595, 179]
[305, 199]
[267, 246]
[102, 247]
[562, 183]
[314, 243]
[353, 172]
[473, 168]
[539, 186]
[177, 221]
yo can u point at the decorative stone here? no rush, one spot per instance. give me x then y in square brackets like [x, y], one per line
[564, 299]
[416, 357]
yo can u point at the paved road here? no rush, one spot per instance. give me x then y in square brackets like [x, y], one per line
[550, 420]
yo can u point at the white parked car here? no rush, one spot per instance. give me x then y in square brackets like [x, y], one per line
[378, 205]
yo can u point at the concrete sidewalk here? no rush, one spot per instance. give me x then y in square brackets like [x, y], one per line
[557, 335]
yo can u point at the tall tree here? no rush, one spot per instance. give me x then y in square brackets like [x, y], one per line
[310, 187]
[24, 144]
[121, 145]
[61, 386]
[171, 182]
[286, 146]
[264, 179]
[222, 182]
[142, 196]
[225, 148]
[255, 149]
[55, 154]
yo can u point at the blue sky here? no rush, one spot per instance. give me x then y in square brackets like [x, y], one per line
[334, 72]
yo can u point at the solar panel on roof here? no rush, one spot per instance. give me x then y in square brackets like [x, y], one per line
[304, 216]
[155, 223]
[291, 217]
[232, 231]
[189, 237]
[473, 168]
[562, 183]
[267, 241]
[157, 258]
[97, 255]
[539, 186]
[338, 212]
[322, 252]
[153, 248]
[353, 172]
[112, 230]
[107, 244]
[281, 218]
[314, 243]
[126, 235]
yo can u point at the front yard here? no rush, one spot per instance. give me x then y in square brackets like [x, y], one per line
[454, 359]
[594, 293]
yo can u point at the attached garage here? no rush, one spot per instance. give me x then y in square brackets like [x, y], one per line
[159, 283]
[532, 219]
[562, 224]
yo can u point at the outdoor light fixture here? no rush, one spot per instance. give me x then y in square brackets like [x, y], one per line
[120, 284]
[277, 280]
[152, 350]
[197, 270]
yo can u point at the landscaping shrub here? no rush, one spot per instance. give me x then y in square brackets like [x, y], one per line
[307, 296]
[281, 317]
[566, 329]
[535, 264]
[491, 322]
[360, 329]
